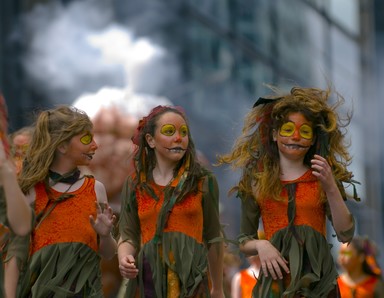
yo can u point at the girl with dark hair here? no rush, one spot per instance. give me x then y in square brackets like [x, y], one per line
[170, 243]
[73, 218]
[361, 276]
[293, 160]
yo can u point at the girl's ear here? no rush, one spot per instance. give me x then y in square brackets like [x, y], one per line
[63, 148]
[150, 140]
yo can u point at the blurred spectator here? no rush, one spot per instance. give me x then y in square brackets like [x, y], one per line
[244, 280]
[19, 142]
[231, 266]
[361, 276]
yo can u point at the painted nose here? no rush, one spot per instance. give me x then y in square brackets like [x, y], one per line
[296, 135]
[94, 145]
[178, 138]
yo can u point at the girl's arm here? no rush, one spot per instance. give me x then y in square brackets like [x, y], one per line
[19, 214]
[126, 254]
[103, 224]
[215, 263]
[271, 261]
[130, 233]
[212, 230]
[341, 217]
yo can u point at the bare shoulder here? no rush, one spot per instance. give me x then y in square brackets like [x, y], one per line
[31, 196]
[101, 193]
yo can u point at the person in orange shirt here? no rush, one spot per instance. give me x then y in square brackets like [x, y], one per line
[170, 234]
[73, 223]
[244, 281]
[293, 160]
[361, 275]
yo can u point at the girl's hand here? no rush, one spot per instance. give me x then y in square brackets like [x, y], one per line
[271, 260]
[322, 170]
[104, 221]
[127, 267]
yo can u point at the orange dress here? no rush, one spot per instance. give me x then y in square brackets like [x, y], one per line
[171, 239]
[64, 256]
[296, 226]
[372, 287]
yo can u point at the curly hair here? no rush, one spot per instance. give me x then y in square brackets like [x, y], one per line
[52, 128]
[145, 158]
[257, 154]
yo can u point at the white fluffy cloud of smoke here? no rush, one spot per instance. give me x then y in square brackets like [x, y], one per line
[78, 48]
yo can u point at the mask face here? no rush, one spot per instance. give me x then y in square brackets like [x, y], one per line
[289, 128]
[170, 130]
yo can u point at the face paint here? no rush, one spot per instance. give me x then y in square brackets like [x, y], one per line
[289, 128]
[86, 139]
[346, 253]
[170, 130]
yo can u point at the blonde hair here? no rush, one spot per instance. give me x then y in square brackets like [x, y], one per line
[52, 128]
[256, 153]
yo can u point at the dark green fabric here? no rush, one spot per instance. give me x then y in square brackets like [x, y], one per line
[63, 270]
[313, 272]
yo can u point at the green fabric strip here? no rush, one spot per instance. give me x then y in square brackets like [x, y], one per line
[313, 273]
[62, 270]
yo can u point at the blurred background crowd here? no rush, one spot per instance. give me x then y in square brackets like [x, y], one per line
[118, 59]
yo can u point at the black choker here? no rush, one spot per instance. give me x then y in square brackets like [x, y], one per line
[69, 178]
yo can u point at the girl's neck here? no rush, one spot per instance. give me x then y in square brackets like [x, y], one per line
[162, 175]
[292, 169]
[62, 167]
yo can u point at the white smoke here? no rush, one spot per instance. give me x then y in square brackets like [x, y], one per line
[78, 48]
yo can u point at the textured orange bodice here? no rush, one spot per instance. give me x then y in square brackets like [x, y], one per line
[69, 220]
[186, 216]
[309, 209]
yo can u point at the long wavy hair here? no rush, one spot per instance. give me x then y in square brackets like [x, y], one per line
[145, 158]
[256, 153]
[52, 128]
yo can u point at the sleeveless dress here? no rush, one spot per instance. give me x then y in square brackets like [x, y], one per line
[64, 260]
[172, 259]
[296, 226]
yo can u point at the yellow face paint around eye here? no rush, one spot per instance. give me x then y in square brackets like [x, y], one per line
[306, 132]
[289, 128]
[86, 139]
[346, 253]
[168, 129]
[183, 130]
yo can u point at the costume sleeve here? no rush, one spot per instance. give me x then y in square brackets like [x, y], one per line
[129, 224]
[250, 215]
[211, 225]
[348, 234]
